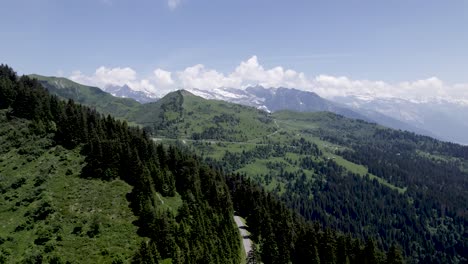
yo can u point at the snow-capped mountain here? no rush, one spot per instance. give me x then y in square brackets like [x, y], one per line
[444, 118]
[232, 95]
[276, 99]
[438, 118]
[127, 92]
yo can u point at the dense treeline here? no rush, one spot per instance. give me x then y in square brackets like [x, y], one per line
[201, 231]
[429, 226]
[341, 200]
[283, 236]
[436, 181]
[233, 161]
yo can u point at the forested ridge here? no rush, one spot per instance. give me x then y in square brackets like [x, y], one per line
[357, 177]
[200, 231]
[285, 236]
[200, 228]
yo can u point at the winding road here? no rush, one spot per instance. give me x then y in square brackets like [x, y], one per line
[245, 235]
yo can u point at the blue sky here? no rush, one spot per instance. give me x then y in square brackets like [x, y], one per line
[392, 41]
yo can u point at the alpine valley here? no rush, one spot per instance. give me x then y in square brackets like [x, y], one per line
[313, 187]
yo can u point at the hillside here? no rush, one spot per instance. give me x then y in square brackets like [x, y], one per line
[361, 178]
[48, 212]
[181, 114]
[93, 97]
[87, 164]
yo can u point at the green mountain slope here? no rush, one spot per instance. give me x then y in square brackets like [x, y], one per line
[90, 96]
[360, 178]
[181, 209]
[181, 114]
[48, 212]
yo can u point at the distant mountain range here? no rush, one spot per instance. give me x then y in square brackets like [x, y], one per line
[444, 119]
[127, 92]
[439, 119]
[276, 99]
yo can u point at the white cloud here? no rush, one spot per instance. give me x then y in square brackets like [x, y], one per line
[419, 90]
[163, 77]
[173, 4]
[251, 72]
[106, 76]
[198, 76]
[248, 73]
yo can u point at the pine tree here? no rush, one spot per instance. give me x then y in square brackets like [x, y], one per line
[369, 256]
[394, 256]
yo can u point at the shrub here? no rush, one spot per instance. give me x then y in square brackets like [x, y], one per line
[18, 183]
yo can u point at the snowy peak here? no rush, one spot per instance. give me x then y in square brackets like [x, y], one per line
[232, 95]
[445, 119]
[127, 92]
[276, 99]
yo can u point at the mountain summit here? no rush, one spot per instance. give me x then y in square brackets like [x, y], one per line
[127, 92]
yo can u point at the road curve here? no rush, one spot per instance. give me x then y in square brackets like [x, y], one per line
[245, 235]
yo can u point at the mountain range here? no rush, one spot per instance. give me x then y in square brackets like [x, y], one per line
[276, 99]
[444, 119]
[126, 92]
[439, 119]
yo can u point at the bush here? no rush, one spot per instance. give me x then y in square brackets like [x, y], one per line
[33, 258]
[27, 225]
[18, 183]
[77, 230]
[55, 260]
[3, 258]
[42, 239]
[41, 212]
[95, 227]
[40, 179]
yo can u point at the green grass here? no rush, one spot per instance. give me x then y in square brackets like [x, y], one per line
[48, 210]
[169, 203]
[257, 168]
[362, 171]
